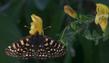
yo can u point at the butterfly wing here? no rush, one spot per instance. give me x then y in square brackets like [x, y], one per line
[49, 49]
[40, 47]
[22, 49]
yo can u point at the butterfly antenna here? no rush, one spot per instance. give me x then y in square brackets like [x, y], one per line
[48, 27]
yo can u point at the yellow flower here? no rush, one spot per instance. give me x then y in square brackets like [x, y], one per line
[36, 25]
[102, 15]
[70, 11]
[103, 24]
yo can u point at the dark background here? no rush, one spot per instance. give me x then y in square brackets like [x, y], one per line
[15, 14]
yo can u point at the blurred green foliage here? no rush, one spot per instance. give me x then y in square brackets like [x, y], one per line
[83, 39]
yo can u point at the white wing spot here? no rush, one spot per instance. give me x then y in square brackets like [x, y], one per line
[22, 42]
[14, 46]
[27, 39]
[51, 42]
[46, 44]
[27, 54]
[40, 55]
[17, 44]
[54, 49]
[27, 44]
[51, 49]
[18, 49]
[55, 44]
[58, 45]
[43, 55]
[9, 47]
[46, 39]
[21, 49]
[32, 45]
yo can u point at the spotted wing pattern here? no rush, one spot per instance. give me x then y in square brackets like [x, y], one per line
[41, 47]
[50, 49]
[22, 49]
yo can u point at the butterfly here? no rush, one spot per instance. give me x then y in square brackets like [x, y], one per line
[102, 15]
[36, 45]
